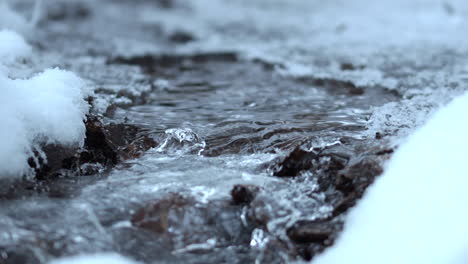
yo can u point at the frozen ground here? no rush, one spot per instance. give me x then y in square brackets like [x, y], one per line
[232, 92]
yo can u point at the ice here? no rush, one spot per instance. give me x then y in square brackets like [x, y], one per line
[48, 108]
[181, 140]
[102, 258]
[415, 212]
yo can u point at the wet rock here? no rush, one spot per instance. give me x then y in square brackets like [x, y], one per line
[335, 86]
[325, 160]
[161, 63]
[298, 160]
[67, 10]
[361, 173]
[347, 66]
[244, 194]
[311, 231]
[17, 255]
[386, 151]
[192, 226]
[105, 146]
[354, 180]
[343, 171]
[181, 37]
[156, 217]
[378, 135]
[113, 143]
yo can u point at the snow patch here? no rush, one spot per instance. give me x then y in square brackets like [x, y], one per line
[12, 47]
[103, 258]
[416, 211]
[47, 108]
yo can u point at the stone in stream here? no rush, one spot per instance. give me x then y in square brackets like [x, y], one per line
[181, 37]
[17, 255]
[191, 226]
[343, 172]
[105, 146]
[67, 10]
[312, 237]
[244, 194]
[328, 160]
[298, 160]
[311, 231]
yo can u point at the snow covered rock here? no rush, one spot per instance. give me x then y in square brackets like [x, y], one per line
[48, 108]
[415, 213]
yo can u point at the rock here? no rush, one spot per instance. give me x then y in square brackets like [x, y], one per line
[335, 86]
[354, 180]
[360, 174]
[105, 146]
[17, 255]
[67, 10]
[155, 64]
[113, 143]
[298, 160]
[312, 237]
[181, 37]
[326, 160]
[156, 217]
[191, 224]
[346, 66]
[343, 171]
[244, 194]
[311, 231]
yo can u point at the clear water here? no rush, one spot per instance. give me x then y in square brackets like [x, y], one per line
[225, 122]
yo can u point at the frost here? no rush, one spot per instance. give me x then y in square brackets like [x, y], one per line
[400, 119]
[12, 47]
[102, 258]
[415, 212]
[46, 108]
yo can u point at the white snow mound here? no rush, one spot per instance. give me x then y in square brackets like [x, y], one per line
[103, 258]
[12, 47]
[47, 108]
[416, 211]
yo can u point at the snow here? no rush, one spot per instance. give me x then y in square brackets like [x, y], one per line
[415, 212]
[102, 258]
[46, 108]
[12, 47]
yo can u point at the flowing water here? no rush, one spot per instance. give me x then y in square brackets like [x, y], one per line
[224, 110]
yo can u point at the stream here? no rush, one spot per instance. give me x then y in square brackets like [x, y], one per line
[266, 129]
